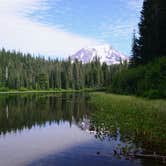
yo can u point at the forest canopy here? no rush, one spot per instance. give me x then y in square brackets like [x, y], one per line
[19, 71]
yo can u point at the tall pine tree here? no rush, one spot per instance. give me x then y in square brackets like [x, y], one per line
[152, 31]
[135, 58]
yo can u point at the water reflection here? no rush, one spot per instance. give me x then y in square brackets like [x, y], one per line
[32, 126]
[57, 129]
[18, 112]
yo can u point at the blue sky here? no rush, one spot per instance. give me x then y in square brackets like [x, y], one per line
[57, 28]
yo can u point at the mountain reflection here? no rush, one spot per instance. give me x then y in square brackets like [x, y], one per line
[18, 112]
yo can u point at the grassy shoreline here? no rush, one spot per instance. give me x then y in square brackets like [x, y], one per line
[141, 119]
[37, 91]
[47, 91]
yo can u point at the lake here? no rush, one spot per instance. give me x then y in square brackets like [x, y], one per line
[56, 129]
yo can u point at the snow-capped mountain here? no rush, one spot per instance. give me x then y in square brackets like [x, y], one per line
[104, 52]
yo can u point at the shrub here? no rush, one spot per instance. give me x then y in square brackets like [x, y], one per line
[4, 89]
[23, 89]
[148, 80]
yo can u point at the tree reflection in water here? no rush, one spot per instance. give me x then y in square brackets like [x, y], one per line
[18, 112]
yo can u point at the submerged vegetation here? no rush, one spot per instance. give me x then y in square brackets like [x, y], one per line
[138, 120]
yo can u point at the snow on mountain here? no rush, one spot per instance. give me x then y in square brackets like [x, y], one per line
[104, 52]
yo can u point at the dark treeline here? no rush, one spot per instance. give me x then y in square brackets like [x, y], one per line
[146, 75]
[23, 71]
[145, 80]
[151, 43]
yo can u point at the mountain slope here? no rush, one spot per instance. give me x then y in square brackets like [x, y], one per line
[104, 52]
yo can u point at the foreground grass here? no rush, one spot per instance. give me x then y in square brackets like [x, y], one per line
[140, 120]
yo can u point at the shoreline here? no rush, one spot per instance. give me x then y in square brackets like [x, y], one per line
[47, 91]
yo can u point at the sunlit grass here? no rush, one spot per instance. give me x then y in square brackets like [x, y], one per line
[139, 119]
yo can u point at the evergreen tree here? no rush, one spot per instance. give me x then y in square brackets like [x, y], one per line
[106, 75]
[152, 29]
[145, 29]
[135, 58]
[160, 10]
[20, 71]
[42, 81]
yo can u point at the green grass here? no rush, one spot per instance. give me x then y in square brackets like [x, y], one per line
[141, 120]
[24, 90]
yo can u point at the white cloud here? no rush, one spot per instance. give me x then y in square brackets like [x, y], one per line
[118, 29]
[122, 27]
[19, 32]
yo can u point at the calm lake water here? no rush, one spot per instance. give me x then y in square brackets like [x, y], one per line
[55, 130]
